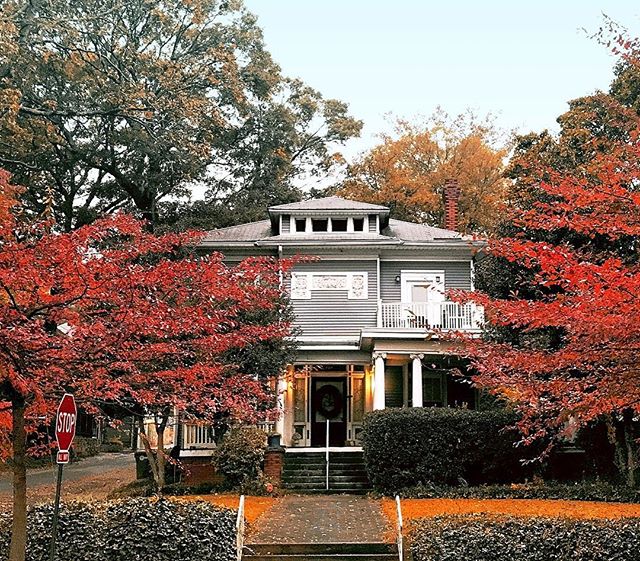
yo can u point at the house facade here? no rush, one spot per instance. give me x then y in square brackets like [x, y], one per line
[370, 308]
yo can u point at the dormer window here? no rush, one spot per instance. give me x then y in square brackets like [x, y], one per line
[328, 224]
[320, 224]
[339, 224]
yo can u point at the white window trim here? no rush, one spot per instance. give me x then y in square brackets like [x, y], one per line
[309, 224]
[305, 294]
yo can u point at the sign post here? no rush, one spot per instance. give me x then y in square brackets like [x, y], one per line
[66, 417]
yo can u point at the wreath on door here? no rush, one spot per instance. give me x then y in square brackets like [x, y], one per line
[328, 401]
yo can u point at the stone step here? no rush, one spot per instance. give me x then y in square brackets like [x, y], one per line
[315, 548]
[321, 557]
[320, 485]
[377, 551]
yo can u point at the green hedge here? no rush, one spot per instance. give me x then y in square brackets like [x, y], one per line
[480, 538]
[408, 447]
[577, 491]
[129, 530]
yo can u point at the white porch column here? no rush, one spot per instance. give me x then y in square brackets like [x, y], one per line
[416, 380]
[378, 380]
[281, 392]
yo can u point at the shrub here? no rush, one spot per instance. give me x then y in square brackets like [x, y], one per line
[578, 491]
[158, 530]
[482, 538]
[408, 447]
[240, 455]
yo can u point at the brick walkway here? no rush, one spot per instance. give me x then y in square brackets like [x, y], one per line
[321, 519]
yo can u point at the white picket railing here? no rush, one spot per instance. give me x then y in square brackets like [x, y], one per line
[400, 529]
[431, 315]
[197, 436]
[240, 529]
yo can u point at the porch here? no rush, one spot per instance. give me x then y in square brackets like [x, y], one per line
[321, 402]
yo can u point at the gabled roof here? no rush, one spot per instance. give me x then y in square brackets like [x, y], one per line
[328, 204]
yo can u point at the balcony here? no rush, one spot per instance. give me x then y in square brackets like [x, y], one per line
[449, 316]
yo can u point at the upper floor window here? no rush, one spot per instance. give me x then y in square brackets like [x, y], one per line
[347, 224]
[320, 224]
[339, 224]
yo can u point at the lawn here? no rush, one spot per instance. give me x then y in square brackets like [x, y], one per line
[426, 508]
[254, 507]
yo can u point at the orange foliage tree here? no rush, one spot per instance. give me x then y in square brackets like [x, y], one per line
[409, 169]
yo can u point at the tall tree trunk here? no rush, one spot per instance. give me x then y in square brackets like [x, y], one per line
[631, 445]
[616, 438]
[19, 443]
[147, 448]
[160, 457]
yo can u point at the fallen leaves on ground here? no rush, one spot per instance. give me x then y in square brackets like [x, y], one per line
[254, 507]
[426, 508]
[90, 488]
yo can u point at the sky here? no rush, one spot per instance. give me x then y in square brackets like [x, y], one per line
[519, 60]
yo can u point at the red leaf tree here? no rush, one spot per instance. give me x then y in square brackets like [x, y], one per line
[125, 319]
[563, 343]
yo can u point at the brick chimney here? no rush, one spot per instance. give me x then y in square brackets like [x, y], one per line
[451, 196]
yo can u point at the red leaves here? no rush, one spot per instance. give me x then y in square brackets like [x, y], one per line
[116, 314]
[573, 350]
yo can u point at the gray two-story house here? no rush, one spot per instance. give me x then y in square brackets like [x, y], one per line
[371, 308]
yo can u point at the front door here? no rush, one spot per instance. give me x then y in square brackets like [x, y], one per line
[328, 402]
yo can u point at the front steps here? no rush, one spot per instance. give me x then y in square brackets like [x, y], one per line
[376, 551]
[305, 472]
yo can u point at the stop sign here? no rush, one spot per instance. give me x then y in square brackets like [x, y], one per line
[66, 422]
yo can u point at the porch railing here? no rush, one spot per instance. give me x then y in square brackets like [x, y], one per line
[431, 315]
[197, 436]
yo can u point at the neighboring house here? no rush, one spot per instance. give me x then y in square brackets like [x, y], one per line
[371, 310]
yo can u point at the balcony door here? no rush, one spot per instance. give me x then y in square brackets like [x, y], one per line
[422, 293]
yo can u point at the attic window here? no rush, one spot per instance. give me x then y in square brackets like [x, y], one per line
[301, 224]
[339, 224]
[320, 224]
[358, 224]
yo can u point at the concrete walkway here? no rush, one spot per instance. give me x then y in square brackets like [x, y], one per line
[321, 519]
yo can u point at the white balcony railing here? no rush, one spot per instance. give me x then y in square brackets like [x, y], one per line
[431, 315]
[197, 437]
